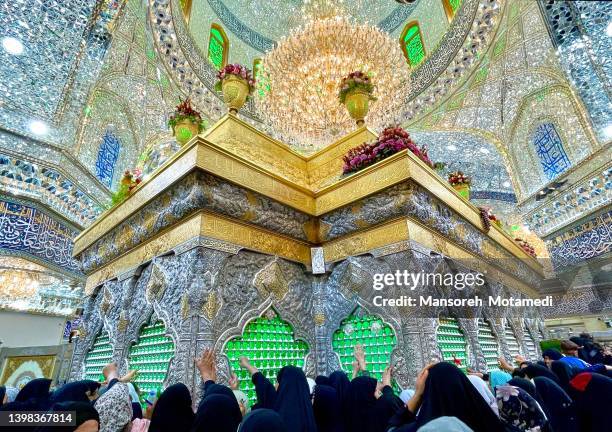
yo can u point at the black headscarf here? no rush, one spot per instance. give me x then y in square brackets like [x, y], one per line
[327, 409]
[84, 412]
[173, 410]
[35, 389]
[593, 397]
[558, 406]
[212, 389]
[322, 380]
[293, 401]
[2, 393]
[75, 391]
[552, 354]
[565, 373]
[216, 413]
[448, 392]
[263, 420]
[365, 412]
[536, 370]
[341, 383]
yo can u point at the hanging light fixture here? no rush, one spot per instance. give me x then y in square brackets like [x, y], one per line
[304, 71]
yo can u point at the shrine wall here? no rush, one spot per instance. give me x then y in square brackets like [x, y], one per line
[19, 329]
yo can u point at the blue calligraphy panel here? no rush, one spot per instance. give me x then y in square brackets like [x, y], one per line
[27, 231]
[107, 158]
[588, 240]
[550, 150]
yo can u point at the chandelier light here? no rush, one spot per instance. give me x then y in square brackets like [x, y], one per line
[303, 73]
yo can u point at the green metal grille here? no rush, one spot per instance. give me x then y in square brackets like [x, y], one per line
[151, 356]
[451, 342]
[513, 346]
[414, 45]
[216, 46]
[269, 343]
[532, 352]
[100, 354]
[370, 331]
[488, 344]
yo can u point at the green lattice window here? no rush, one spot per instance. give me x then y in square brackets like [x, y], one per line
[532, 352]
[451, 342]
[218, 46]
[262, 82]
[151, 356]
[269, 343]
[513, 346]
[100, 354]
[488, 344]
[370, 331]
[412, 44]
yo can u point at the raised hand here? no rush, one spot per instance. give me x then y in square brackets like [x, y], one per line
[245, 364]
[128, 376]
[359, 354]
[386, 376]
[233, 381]
[207, 366]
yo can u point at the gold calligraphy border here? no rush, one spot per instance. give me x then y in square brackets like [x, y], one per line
[205, 155]
[410, 229]
[207, 225]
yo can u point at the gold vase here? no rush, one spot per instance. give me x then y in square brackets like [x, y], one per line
[463, 189]
[357, 103]
[184, 130]
[235, 91]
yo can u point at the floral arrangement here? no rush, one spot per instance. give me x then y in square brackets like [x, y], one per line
[239, 71]
[184, 111]
[390, 141]
[129, 181]
[458, 178]
[487, 218]
[524, 244]
[356, 81]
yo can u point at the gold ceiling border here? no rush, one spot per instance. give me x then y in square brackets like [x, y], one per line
[203, 224]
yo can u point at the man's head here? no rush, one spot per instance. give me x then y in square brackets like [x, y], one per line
[569, 348]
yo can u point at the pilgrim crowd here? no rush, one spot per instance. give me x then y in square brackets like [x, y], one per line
[567, 391]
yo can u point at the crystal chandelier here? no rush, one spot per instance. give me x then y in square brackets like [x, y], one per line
[303, 72]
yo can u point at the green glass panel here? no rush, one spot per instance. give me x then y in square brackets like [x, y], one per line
[151, 355]
[100, 354]
[513, 345]
[414, 46]
[532, 352]
[216, 48]
[451, 342]
[488, 344]
[269, 343]
[412, 31]
[377, 338]
[454, 4]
